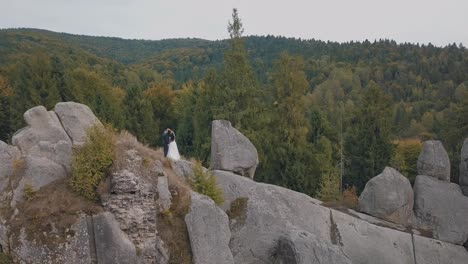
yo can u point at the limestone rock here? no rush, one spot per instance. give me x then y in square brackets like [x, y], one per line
[271, 211]
[232, 151]
[363, 242]
[164, 195]
[9, 155]
[442, 207]
[38, 172]
[431, 251]
[75, 250]
[389, 196]
[44, 137]
[464, 167]
[182, 168]
[434, 160]
[112, 244]
[132, 202]
[208, 229]
[124, 182]
[76, 119]
[302, 247]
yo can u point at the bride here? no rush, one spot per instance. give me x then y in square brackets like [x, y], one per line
[173, 152]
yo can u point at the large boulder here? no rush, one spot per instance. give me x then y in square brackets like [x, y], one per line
[182, 168]
[434, 160]
[441, 207]
[302, 247]
[76, 119]
[112, 244]
[44, 137]
[208, 229]
[464, 167]
[388, 196]
[232, 151]
[431, 251]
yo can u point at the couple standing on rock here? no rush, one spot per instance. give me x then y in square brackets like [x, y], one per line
[170, 146]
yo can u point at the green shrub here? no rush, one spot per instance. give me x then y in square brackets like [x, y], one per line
[330, 186]
[238, 210]
[205, 183]
[28, 191]
[91, 162]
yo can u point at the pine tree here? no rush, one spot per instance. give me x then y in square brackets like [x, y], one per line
[6, 93]
[368, 145]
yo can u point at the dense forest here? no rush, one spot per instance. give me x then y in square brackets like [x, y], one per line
[315, 110]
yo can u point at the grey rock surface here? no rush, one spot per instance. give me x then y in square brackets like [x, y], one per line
[43, 125]
[363, 242]
[112, 244]
[273, 212]
[124, 182]
[182, 168]
[38, 172]
[44, 137]
[132, 200]
[302, 247]
[9, 155]
[440, 206]
[232, 151]
[270, 212]
[431, 251]
[434, 160]
[463, 179]
[76, 119]
[164, 195]
[208, 229]
[75, 250]
[388, 196]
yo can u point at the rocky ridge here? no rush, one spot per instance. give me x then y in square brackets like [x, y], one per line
[256, 223]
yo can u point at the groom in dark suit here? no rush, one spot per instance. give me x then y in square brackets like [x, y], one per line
[166, 140]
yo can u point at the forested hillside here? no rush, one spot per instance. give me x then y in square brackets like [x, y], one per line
[313, 109]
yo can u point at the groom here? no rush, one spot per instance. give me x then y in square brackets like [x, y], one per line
[166, 140]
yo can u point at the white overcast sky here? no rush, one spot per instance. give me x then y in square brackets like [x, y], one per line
[423, 21]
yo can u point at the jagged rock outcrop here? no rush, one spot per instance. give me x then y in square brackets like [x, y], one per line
[76, 119]
[132, 200]
[208, 229]
[463, 179]
[9, 158]
[440, 206]
[434, 161]
[164, 195]
[388, 196]
[232, 151]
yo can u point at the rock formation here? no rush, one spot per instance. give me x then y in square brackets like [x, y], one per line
[232, 151]
[256, 223]
[434, 160]
[440, 206]
[208, 228]
[388, 196]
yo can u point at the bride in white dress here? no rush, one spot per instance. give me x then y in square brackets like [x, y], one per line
[173, 151]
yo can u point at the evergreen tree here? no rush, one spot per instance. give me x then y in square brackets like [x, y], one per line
[139, 117]
[6, 93]
[368, 145]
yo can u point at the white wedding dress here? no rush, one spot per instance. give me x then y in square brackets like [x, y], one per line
[173, 151]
